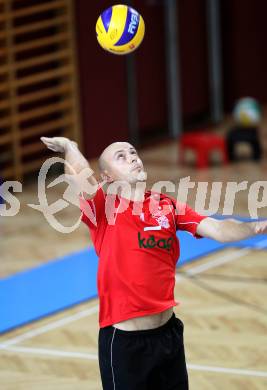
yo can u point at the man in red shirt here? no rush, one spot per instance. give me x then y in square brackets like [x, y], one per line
[134, 235]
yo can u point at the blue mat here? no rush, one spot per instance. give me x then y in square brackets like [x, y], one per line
[54, 286]
[38, 292]
[192, 248]
[256, 242]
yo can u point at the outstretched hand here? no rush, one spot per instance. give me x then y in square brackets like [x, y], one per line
[261, 227]
[57, 144]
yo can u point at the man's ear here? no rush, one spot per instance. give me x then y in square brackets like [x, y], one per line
[106, 177]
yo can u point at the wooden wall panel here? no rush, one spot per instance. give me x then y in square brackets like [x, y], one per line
[38, 89]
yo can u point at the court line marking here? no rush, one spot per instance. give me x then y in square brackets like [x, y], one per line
[53, 352]
[92, 356]
[84, 313]
[217, 262]
[227, 370]
[52, 325]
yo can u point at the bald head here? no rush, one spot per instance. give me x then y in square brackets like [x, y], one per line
[108, 153]
[120, 161]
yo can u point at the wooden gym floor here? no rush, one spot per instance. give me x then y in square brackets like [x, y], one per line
[224, 311]
[223, 298]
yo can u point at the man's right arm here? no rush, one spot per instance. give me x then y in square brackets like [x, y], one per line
[75, 164]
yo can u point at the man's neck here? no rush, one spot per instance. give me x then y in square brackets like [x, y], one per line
[138, 192]
[132, 192]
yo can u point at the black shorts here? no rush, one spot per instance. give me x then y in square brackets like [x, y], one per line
[143, 360]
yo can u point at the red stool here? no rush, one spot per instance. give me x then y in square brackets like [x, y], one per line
[202, 143]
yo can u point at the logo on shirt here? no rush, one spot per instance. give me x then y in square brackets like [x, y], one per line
[161, 219]
[152, 242]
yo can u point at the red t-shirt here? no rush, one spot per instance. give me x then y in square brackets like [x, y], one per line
[137, 254]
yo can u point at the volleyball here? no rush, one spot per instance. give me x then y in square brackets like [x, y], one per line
[120, 29]
[247, 112]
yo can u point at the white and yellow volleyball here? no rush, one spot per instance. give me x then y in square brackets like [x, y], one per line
[120, 29]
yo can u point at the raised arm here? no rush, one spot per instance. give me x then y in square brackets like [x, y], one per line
[75, 162]
[228, 230]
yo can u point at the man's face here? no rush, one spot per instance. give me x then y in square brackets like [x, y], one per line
[123, 163]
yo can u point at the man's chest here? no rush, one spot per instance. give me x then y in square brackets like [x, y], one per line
[152, 216]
